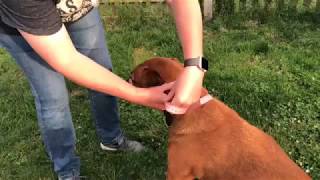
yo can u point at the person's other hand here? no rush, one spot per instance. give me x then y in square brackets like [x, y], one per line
[186, 90]
[154, 97]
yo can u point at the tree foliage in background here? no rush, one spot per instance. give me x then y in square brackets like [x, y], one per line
[318, 6]
[225, 7]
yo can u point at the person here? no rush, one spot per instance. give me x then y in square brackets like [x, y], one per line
[52, 40]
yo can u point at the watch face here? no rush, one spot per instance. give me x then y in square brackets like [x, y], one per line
[205, 64]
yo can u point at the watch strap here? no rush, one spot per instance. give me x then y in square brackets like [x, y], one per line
[192, 62]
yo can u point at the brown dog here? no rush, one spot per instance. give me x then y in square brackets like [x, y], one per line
[212, 142]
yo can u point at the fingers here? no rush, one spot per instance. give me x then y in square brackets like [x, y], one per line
[167, 86]
[160, 107]
[176, 106]
[170, 95]
[172, 106]
[185, 92]
[158, 97]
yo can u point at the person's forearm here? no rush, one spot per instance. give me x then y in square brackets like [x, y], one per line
[89, 74]
[57, 50]
[188, 19]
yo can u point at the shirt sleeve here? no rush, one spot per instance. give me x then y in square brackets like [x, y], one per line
[38, 17]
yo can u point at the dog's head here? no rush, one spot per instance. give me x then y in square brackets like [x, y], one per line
[155, 72]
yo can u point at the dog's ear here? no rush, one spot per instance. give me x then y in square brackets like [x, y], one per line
[150, 77]
[153, 78]
[175, 59]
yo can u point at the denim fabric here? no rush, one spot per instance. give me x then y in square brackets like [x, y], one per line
[51, 95]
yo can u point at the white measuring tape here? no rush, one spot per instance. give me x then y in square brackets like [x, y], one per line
[175, 110]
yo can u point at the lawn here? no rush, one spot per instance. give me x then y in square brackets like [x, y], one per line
[266, 68]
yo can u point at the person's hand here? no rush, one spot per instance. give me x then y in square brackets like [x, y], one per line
[154, 97]
[186, 90]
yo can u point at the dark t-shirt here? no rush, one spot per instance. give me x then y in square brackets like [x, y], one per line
[38, 17]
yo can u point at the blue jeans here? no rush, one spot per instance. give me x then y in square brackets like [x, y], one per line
[51, 95]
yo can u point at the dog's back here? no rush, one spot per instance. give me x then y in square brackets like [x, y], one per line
[214, 142]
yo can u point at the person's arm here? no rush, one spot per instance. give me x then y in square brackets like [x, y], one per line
[58, 51]
[187, 14]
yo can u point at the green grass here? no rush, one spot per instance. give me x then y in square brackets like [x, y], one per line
[268, 71]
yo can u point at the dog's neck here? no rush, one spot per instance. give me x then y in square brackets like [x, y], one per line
[192, 122]
[203, 100]
[195, 120]
[208, 117]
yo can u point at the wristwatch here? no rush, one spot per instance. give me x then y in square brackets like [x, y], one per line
[200, 62]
